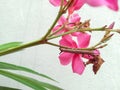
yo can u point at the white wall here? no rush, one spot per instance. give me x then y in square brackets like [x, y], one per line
[25, 20]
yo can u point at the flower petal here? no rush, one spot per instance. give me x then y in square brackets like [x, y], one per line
[112, 4]
[83, 39]
[58, 27]
[65, 58]
[67, 41]
[77, 4]
[77, 64]
[95, 2]
[74, 18]
[62, 20]
[96, 52]
[55, 2]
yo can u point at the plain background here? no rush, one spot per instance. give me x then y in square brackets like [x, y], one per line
[26, 20]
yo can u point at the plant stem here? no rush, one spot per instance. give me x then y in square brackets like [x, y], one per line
[30, 44]
[55, 21]
[56, 31]
[69, 32]
[77, 51]
[37, 42]
[53, 44]
[49, 31]
[44, 41]
[72, 50]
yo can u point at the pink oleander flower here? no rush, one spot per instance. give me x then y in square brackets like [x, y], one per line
[77, 4]
[68, 23]
[78, 65]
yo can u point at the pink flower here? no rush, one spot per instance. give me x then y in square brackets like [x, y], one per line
[69, 23]
[77, 4]
[78, 65]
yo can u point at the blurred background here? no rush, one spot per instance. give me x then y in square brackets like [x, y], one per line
[26, 20]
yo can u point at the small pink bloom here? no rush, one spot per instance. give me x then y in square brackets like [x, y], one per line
[78, 65]
[61, 22]
[69, 23]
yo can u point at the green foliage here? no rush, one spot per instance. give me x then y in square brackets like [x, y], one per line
[7, 88]
[28, 81]
[33, 83]
[9, 45]
[9, 66]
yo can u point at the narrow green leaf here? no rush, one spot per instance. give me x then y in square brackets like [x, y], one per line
[7, 88]
[8, 66]
[33, 83]
[9, 45]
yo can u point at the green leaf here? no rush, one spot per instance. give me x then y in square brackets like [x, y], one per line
[33, 83]
[9, 45]
[7, 88]
[8, 66]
